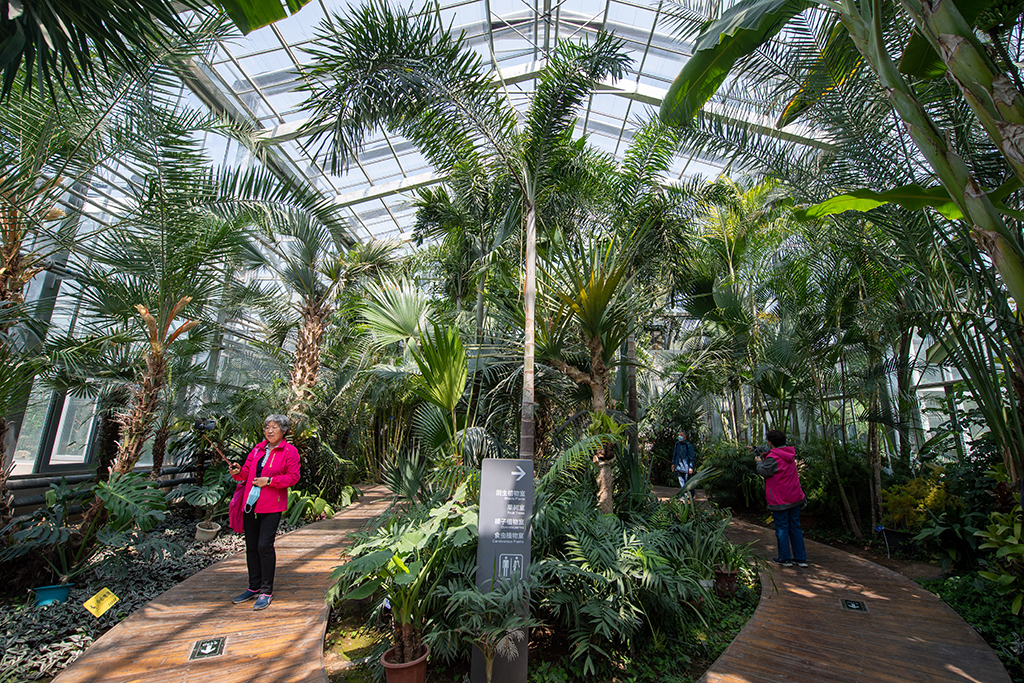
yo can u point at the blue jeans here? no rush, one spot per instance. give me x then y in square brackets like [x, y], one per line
[788, 532]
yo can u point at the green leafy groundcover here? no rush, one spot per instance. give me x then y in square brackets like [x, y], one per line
[37, 643]
[683, 659]
[974, 600]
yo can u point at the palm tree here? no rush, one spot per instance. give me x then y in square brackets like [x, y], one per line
[50, 149]
[735, 233]
[983, 83]
[474, 215]
[309, 259]
[639, 198]
[377, 66]
[588, 314]
[84, 40]
[158, 273]
[165, 262]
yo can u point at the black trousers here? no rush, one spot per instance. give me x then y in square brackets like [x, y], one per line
[260, 557]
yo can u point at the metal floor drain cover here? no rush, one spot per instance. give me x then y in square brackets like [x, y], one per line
[854, 605]
[208, 648]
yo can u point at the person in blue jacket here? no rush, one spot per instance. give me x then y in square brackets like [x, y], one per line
[683, 459]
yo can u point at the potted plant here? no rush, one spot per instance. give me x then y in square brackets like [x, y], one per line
[215, 490]
[401, 564]
[731, 559]
[133, 505]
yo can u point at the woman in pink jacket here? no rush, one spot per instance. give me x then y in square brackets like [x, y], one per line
[272, 466]
[785, 498]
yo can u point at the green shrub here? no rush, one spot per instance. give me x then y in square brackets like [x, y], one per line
[951, 537]
[1005, 537]
[738, 485]
[907, 506]
[612, 586]
[818, 480]
[676, 411]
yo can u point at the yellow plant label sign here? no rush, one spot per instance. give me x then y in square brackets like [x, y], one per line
[101, 602]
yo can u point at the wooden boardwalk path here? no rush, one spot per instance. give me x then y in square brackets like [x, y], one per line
[283, 643]
[801, 632]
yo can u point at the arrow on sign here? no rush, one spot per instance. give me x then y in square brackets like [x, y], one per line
[519, 473]
[207, 648]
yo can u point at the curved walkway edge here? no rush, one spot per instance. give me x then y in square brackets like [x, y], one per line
[802, 632]
[281, 644]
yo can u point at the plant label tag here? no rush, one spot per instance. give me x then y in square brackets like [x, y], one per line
[101, 602]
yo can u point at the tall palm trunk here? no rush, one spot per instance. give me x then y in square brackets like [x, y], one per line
[527, 430]
[6, 499]
[477, 383]
[875, 465]
[137, 422]
[160, 447]
[306, 367]
[631, 403]
[597, 380]
[874, 450]
[604, 458]
[842, 402]
[903, 397]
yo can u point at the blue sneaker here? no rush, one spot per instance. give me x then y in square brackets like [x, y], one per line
[801, 563]
[242, 597]
[262, 602]
[782, 563]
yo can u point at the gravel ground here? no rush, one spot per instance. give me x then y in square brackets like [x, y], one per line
[39, 642]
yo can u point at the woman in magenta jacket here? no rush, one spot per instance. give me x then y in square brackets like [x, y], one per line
[271, 467]
[785, 498]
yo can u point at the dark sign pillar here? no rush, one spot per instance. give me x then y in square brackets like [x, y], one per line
[503, 553]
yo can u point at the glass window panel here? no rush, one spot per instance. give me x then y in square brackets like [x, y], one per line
[31, 430]
[73, 432]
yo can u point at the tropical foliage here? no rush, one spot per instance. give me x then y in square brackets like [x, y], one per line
[852, 278]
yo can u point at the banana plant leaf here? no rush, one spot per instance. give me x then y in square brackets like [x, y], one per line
[913, 197]
[920, 59]
[740, 30]
[249, 15]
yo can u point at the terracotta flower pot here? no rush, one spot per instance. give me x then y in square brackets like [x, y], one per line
[410, 672]
[725, 582]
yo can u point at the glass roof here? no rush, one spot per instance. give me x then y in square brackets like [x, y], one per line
[255, 78]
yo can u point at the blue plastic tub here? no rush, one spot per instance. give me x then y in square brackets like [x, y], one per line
[48, 594]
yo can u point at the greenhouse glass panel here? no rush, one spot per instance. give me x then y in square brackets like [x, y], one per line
[27, 450]
[73, 432]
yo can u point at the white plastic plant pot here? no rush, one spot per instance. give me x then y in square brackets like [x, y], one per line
[207, 531]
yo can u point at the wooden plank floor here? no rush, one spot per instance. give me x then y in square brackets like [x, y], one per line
[801, 634]
[283, 643]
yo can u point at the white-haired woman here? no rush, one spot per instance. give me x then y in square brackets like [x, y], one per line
[272, 466]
